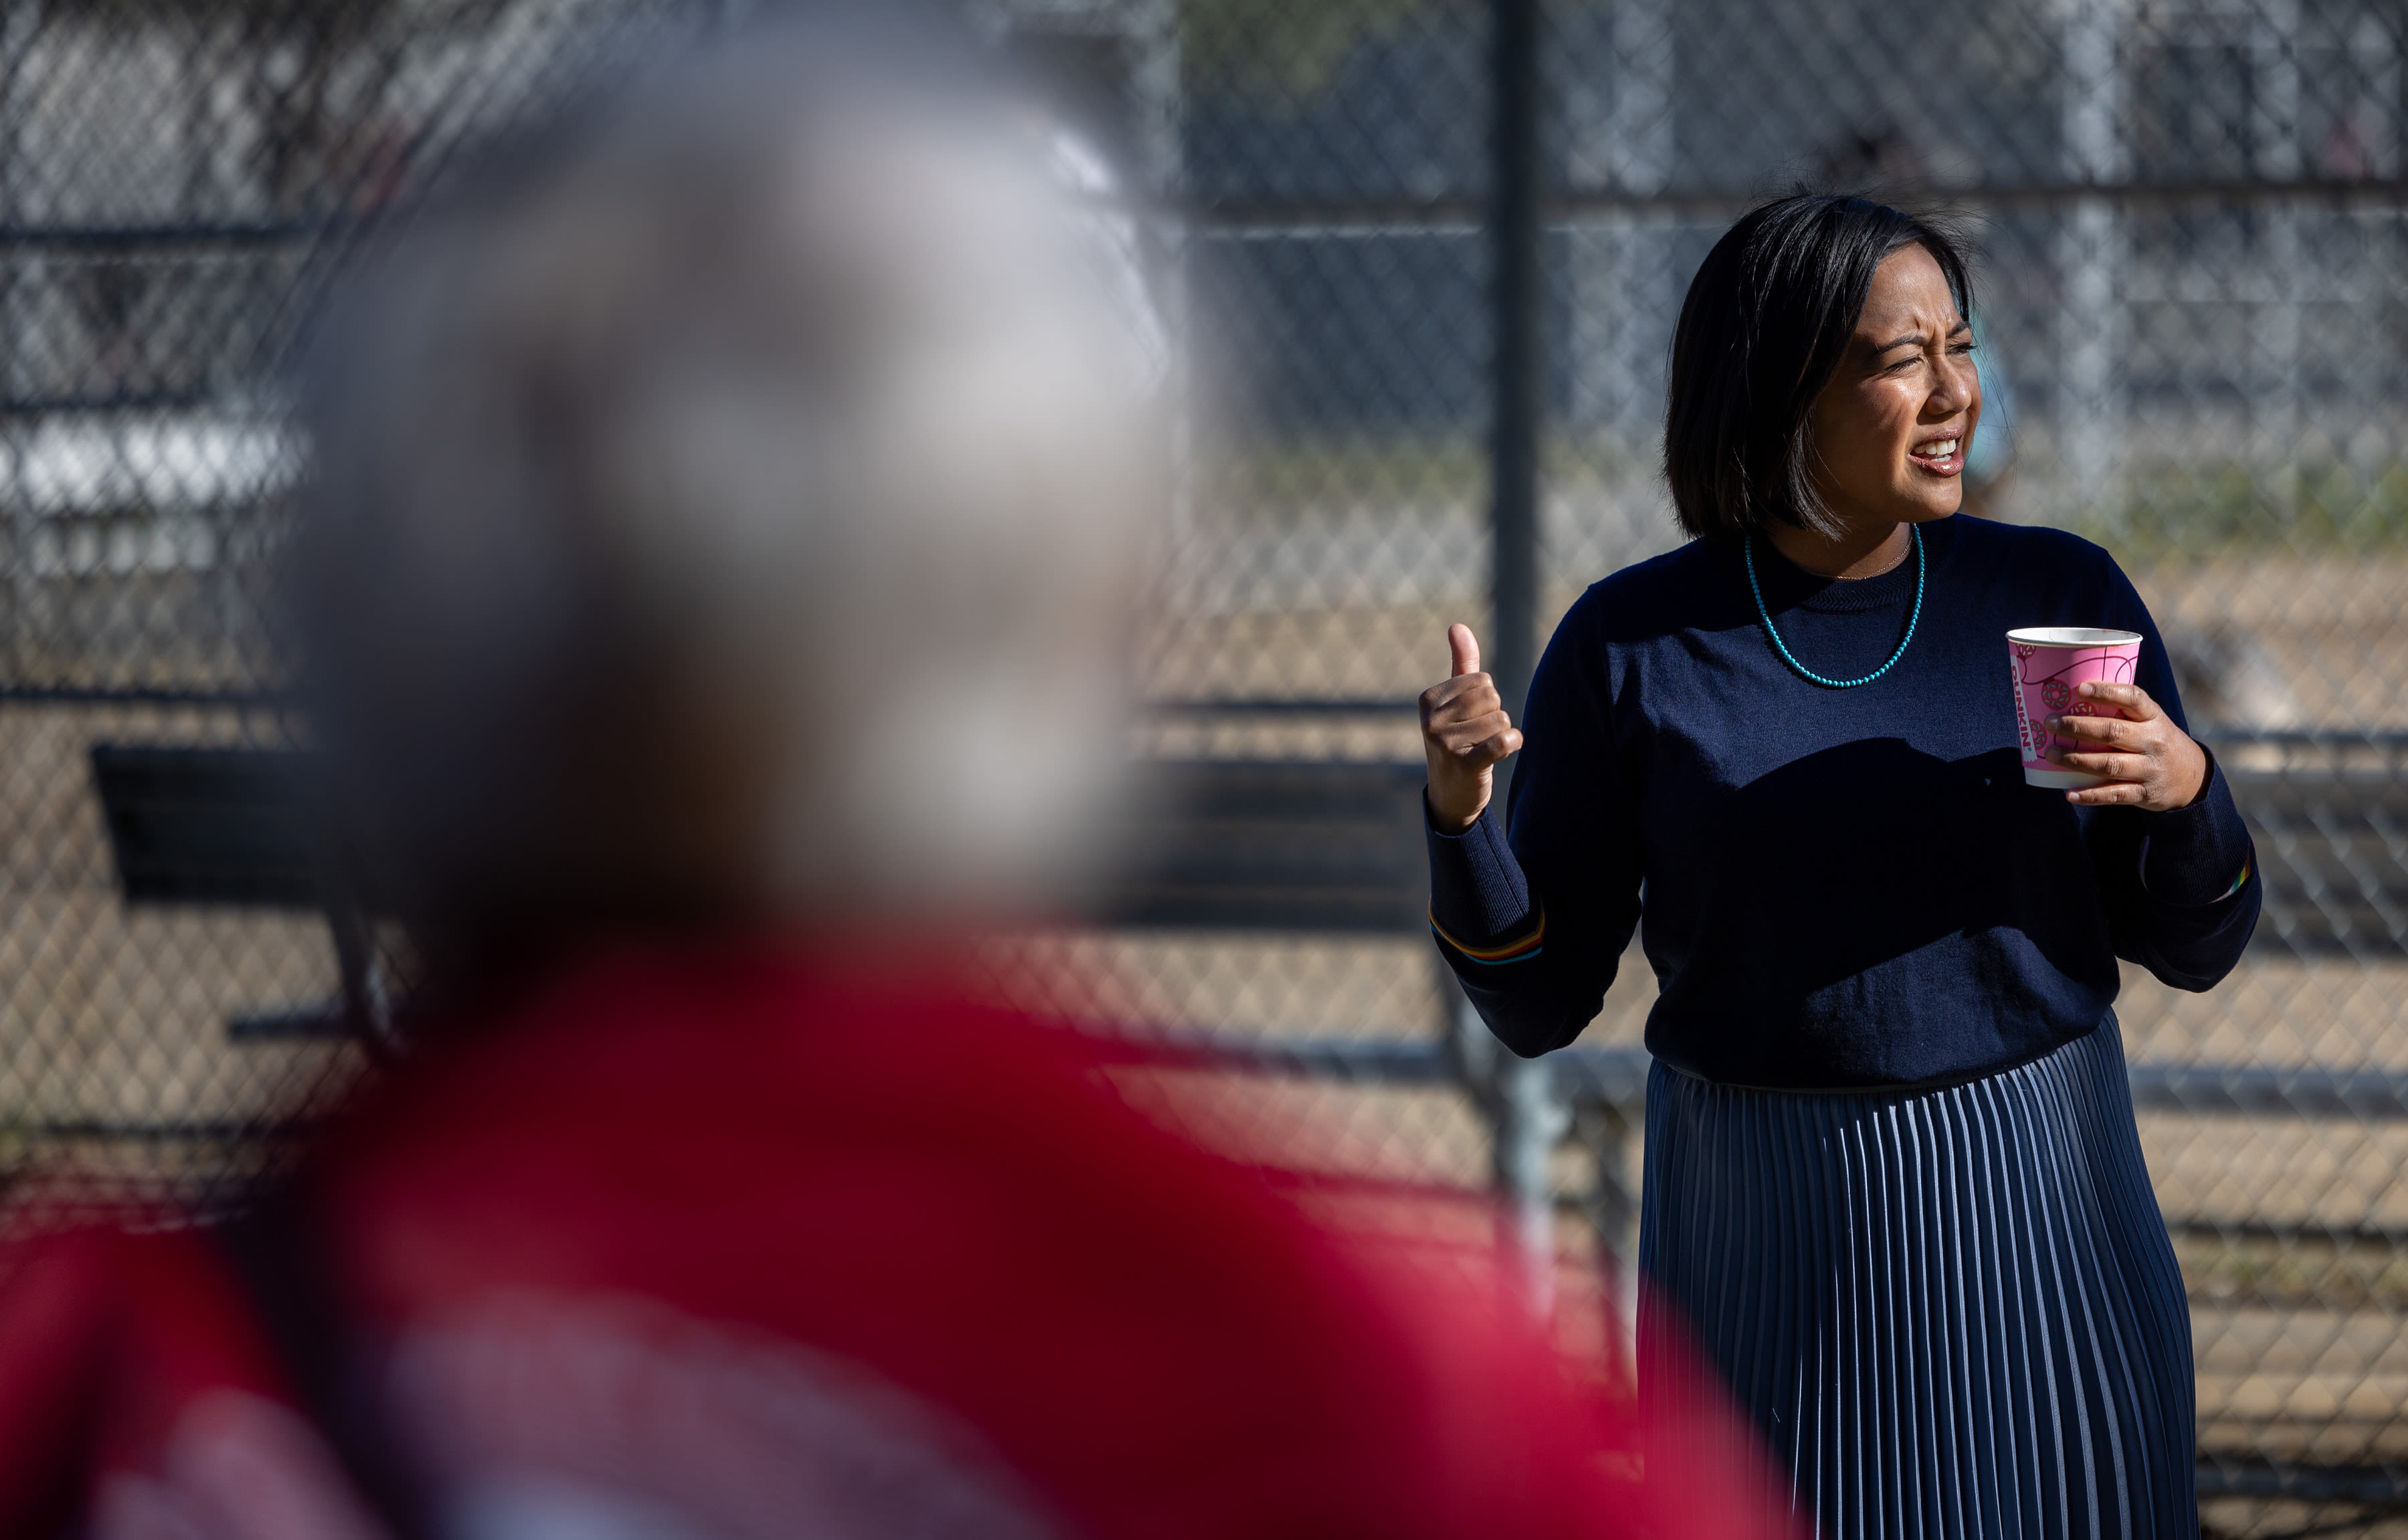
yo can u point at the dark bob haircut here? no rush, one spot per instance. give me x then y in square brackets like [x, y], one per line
[1765, 323]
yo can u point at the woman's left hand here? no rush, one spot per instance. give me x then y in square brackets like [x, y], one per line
[2150, 763]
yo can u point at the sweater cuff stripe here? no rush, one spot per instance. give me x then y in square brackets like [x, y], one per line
[1512, 951]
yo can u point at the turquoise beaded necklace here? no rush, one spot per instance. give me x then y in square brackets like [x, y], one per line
[1791, 659]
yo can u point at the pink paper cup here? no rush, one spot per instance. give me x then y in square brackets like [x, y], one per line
[2046, 663]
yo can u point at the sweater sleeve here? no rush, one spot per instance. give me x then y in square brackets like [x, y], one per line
[1535, 925]
[2181, 888]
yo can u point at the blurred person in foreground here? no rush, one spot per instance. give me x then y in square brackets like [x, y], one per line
[725, 533]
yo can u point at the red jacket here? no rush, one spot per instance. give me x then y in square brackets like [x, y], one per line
[722, 1241]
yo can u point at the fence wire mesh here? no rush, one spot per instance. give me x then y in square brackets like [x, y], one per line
[2193, 223]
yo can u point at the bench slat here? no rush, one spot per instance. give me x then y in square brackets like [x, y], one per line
[216, 826]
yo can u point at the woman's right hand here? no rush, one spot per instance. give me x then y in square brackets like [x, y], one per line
[1465, 732]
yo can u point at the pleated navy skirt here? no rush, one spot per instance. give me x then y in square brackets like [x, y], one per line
[1950, 1312]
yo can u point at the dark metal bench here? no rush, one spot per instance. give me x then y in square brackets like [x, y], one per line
[2332, 849]
[1245, 845]
[1299, 845]
[239, 828]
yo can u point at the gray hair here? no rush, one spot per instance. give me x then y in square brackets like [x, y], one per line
[745, 510]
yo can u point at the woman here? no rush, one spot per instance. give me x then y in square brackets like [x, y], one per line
[1893, 1181]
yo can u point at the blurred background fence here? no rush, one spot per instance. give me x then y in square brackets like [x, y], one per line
[1423, 258]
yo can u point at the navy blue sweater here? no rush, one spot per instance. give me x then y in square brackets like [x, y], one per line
[1841, 887]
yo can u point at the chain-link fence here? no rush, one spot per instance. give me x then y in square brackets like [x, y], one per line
[1423, 256]
[177, 182]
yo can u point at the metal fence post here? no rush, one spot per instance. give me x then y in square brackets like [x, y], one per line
[1514, 296]
[1532, 1119]
[1527, 1115]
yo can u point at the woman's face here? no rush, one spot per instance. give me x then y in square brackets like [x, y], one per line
[1891, 429]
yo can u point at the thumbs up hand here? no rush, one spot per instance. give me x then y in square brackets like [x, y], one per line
[1465, 732]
